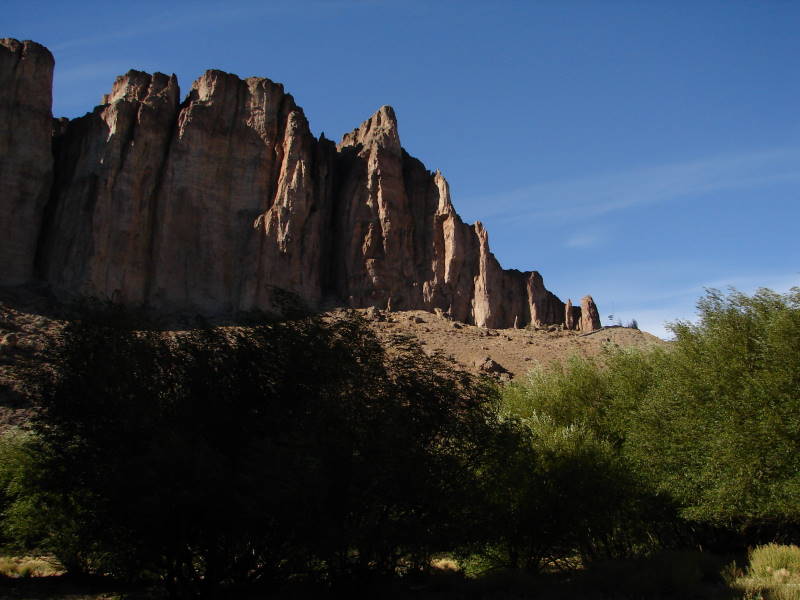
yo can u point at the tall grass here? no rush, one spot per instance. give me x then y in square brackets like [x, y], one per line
[28, 566]
[773, 573]
[773, 559]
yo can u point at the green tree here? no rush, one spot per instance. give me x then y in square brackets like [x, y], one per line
[224, 456]
[720, 427]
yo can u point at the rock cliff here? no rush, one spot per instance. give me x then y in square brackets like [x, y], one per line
[225, 202]
[26, 158]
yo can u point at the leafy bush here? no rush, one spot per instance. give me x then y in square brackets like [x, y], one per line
[600, 394]
[710, 423]
[572, 392]
[13, 463]
[307, 450]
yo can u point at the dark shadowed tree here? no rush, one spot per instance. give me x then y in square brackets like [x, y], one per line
[241, 455]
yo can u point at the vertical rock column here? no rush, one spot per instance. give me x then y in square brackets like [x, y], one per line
[545, 307]
[108, 171]
[457, 251]
[569, 319]
[26, 158]
[590, 317]
[374, 220]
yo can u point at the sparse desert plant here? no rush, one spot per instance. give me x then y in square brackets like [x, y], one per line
[768, 592]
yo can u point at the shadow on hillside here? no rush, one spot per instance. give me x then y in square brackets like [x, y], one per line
[37, 302]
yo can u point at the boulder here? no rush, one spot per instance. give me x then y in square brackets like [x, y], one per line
[489, 366]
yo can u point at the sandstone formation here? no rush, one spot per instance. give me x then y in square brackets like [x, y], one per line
[108, 165]
[589, 315]
[570, 315]
[26, 158]
[226, 202]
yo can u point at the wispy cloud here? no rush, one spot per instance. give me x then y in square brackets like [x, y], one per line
[150, 26]
[89, 71]
[584, 240]
[164, 21]
[595, 196]
[213, 16]
[73, 85]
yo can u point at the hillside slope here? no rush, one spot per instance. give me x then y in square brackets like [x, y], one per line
[36, 320]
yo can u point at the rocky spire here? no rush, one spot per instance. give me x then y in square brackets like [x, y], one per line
[590, 317]
[379, 130]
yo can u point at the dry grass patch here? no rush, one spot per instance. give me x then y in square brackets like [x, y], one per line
[773, 573]
[29, 566]
[445, 564]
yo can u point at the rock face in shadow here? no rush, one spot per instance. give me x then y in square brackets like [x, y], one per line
[202, 206]
[109, 165]
[26, 159]
[226, 202]
[237, 211]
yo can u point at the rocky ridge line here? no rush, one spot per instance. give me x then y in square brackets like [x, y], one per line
[225, 201]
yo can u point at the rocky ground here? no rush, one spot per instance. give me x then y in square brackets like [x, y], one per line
[506, 353]
[30, 323]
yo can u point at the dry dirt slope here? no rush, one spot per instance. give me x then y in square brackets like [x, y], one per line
[516, 351]
[36, 322]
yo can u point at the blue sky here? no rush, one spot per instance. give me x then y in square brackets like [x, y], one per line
[637, 151]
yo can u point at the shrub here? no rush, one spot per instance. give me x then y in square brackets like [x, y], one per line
[709, 425]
